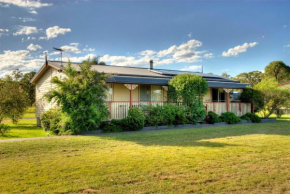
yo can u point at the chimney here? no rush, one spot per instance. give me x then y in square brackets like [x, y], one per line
[151, 64]
[46, 58]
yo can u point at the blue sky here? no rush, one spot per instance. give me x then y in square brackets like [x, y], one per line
[223, 36]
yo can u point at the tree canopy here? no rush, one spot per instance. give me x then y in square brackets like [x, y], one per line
[13, 100]
[252, 77]
[225, 75]
[81, 95]
[274, 97]
[278, 70]
[189, 89]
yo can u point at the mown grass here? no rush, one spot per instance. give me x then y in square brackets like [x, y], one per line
[24, 129]
[252, 158]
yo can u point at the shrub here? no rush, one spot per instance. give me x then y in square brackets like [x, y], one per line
[112, 126]
[197, 112]
[251, 117]
[55, 121]
[155, 116]
[135, 120]
[212, 118]
[4, 129]
[230, 118]
[174, 115]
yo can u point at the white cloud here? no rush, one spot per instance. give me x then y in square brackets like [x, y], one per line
[189, 35]
[76, 59]
[89, 49]
[53, 32]
[26, 30]
[168, 51]
[191, 68]
[147, 53]
[239, 49]
[184, 53]
[25, 3]
[33, 12]
[27, 19]
[27, 39]
[20, 59]
[73, 48]
[288, 46]
[34, 47]
[3, 32]
[284, 26]
[208, 55]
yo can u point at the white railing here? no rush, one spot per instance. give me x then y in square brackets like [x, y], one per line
[238, 108]
[119, 110]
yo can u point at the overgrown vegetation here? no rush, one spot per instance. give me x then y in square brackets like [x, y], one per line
[167, 114]
[274, 97]
[56, 122]
[212, 118]
[81, 96]
[13, 101]
[135, 121]
[253, 96]
[189, 90]
[251, 117]
[229, 118]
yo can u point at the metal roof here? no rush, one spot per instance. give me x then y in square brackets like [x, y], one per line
[137, 75]
[165, 81]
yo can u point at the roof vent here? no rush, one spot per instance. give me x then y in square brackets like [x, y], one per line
[151, 64]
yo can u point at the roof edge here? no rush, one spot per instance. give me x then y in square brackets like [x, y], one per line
[41, 71]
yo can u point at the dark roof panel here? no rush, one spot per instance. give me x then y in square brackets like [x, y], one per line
[164, 82]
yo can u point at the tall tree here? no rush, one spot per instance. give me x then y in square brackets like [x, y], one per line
[13, 100]
[278, 70]
[81, 95]
[28, 87]
[274, 97]
[189, 89]
[252, 77]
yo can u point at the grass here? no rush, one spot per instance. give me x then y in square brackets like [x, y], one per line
[24, 129]
[251, 158]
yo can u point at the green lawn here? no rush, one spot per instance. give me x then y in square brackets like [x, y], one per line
[251, 158]
[25, 128]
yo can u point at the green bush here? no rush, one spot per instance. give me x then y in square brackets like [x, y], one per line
[197, 112]
[212, 118]
[55, 121]
[251, 117]
[230, 118]
[166, 115]
[155, 116]
[174, 114]
[112, 126]
[4, 129]
[135, 120]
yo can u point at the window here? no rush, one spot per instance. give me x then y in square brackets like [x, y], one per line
[156, 94]
[145, 93]
[110, 92]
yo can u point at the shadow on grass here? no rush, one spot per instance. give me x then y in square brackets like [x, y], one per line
[199, 136]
